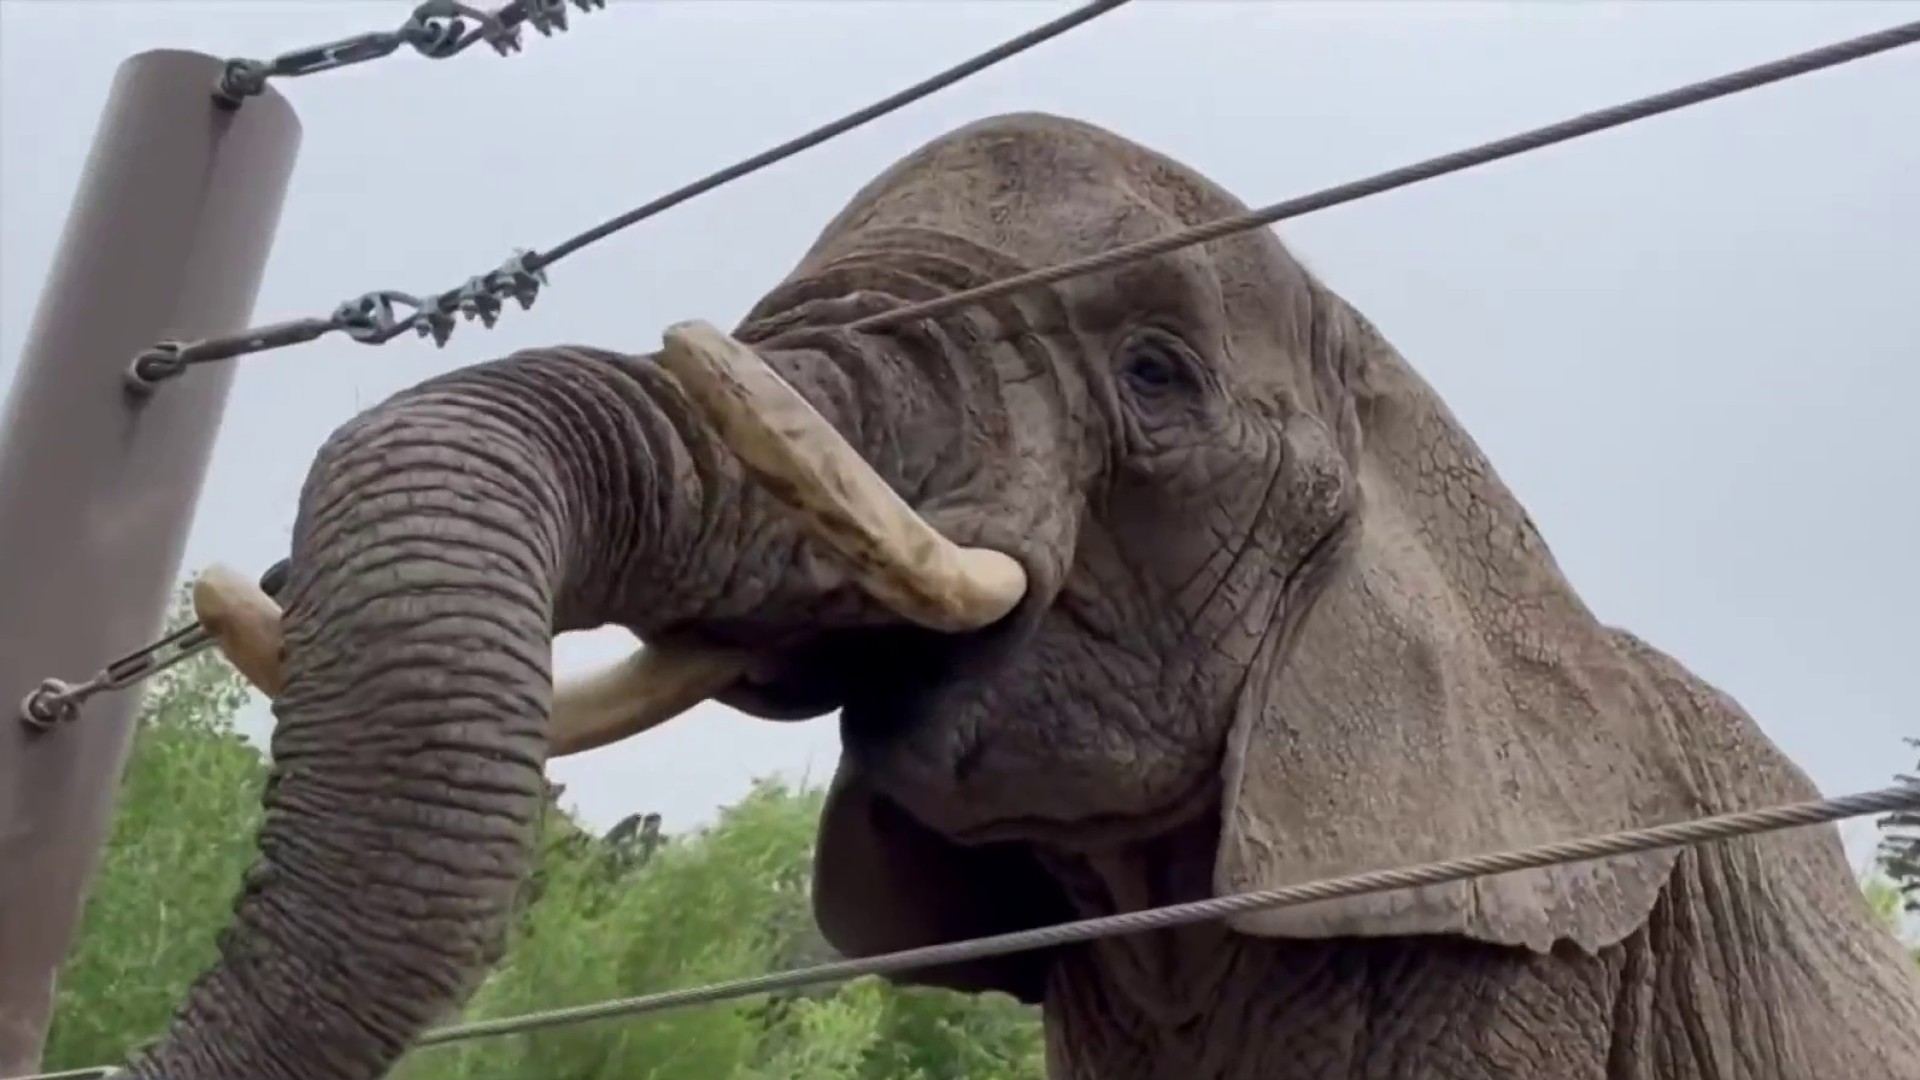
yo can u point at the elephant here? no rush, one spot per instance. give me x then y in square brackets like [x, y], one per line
[1169, 581]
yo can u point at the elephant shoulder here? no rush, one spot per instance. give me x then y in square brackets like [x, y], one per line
[1779, 915]
[1734, 764]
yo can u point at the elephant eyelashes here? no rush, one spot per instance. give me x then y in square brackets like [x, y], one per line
[1155, 364]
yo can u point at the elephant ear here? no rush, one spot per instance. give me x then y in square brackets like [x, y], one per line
[883, 882]
[1447, 694]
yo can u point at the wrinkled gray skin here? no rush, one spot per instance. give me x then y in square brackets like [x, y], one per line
[1285, 622]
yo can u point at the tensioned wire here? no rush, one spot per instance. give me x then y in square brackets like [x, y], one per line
[1827, 56]
[1904, 796]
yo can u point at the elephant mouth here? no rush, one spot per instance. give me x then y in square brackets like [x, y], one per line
[882, 679]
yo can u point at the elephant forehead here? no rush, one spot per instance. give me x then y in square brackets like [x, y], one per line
[1029, 190]
[1039, 188]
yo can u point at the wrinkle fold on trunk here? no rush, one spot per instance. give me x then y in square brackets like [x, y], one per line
[442, 539]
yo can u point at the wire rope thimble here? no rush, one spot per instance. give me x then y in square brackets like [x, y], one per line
[154, 365]
[436, 29]
[371, 318]
[52, 703]
[239, 80]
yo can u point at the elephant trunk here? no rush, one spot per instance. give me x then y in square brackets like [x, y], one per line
[439, 539]
[443, 539]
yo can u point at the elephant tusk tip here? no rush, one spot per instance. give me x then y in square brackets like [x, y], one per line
[997, 581]
[690, 332]
[218, 593]
[244, 623]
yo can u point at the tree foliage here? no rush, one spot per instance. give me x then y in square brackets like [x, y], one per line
[182, 835]
[1894, 886]
[1900, 848]
[628, 912]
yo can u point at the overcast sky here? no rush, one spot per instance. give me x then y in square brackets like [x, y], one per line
[1692, 346]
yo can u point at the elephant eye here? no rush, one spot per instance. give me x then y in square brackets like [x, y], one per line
[1153, 365]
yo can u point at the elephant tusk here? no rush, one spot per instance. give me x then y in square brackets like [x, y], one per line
[244, 623]
[647, 688]
[793, 452]
[640, 691]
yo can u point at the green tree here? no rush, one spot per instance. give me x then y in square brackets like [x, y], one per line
[1900, 848]
[1883, 896]
[1893, 888]
[182, 836]
[938, 1035]
[723, 903]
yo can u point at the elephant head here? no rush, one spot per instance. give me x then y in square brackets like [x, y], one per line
[1239, 566]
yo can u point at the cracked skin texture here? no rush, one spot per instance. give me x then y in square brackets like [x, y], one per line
[1284, 621]
[1745, 969]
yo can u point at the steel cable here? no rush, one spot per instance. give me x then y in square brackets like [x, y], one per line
[1903, 796]
[1586, 124]
[1006, 50]
[437, 30]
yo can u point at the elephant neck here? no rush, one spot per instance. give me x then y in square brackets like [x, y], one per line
[1203, 1002]
[1357, 1009]
[1170, 977]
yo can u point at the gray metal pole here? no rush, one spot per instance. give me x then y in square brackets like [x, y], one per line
[167, 237]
